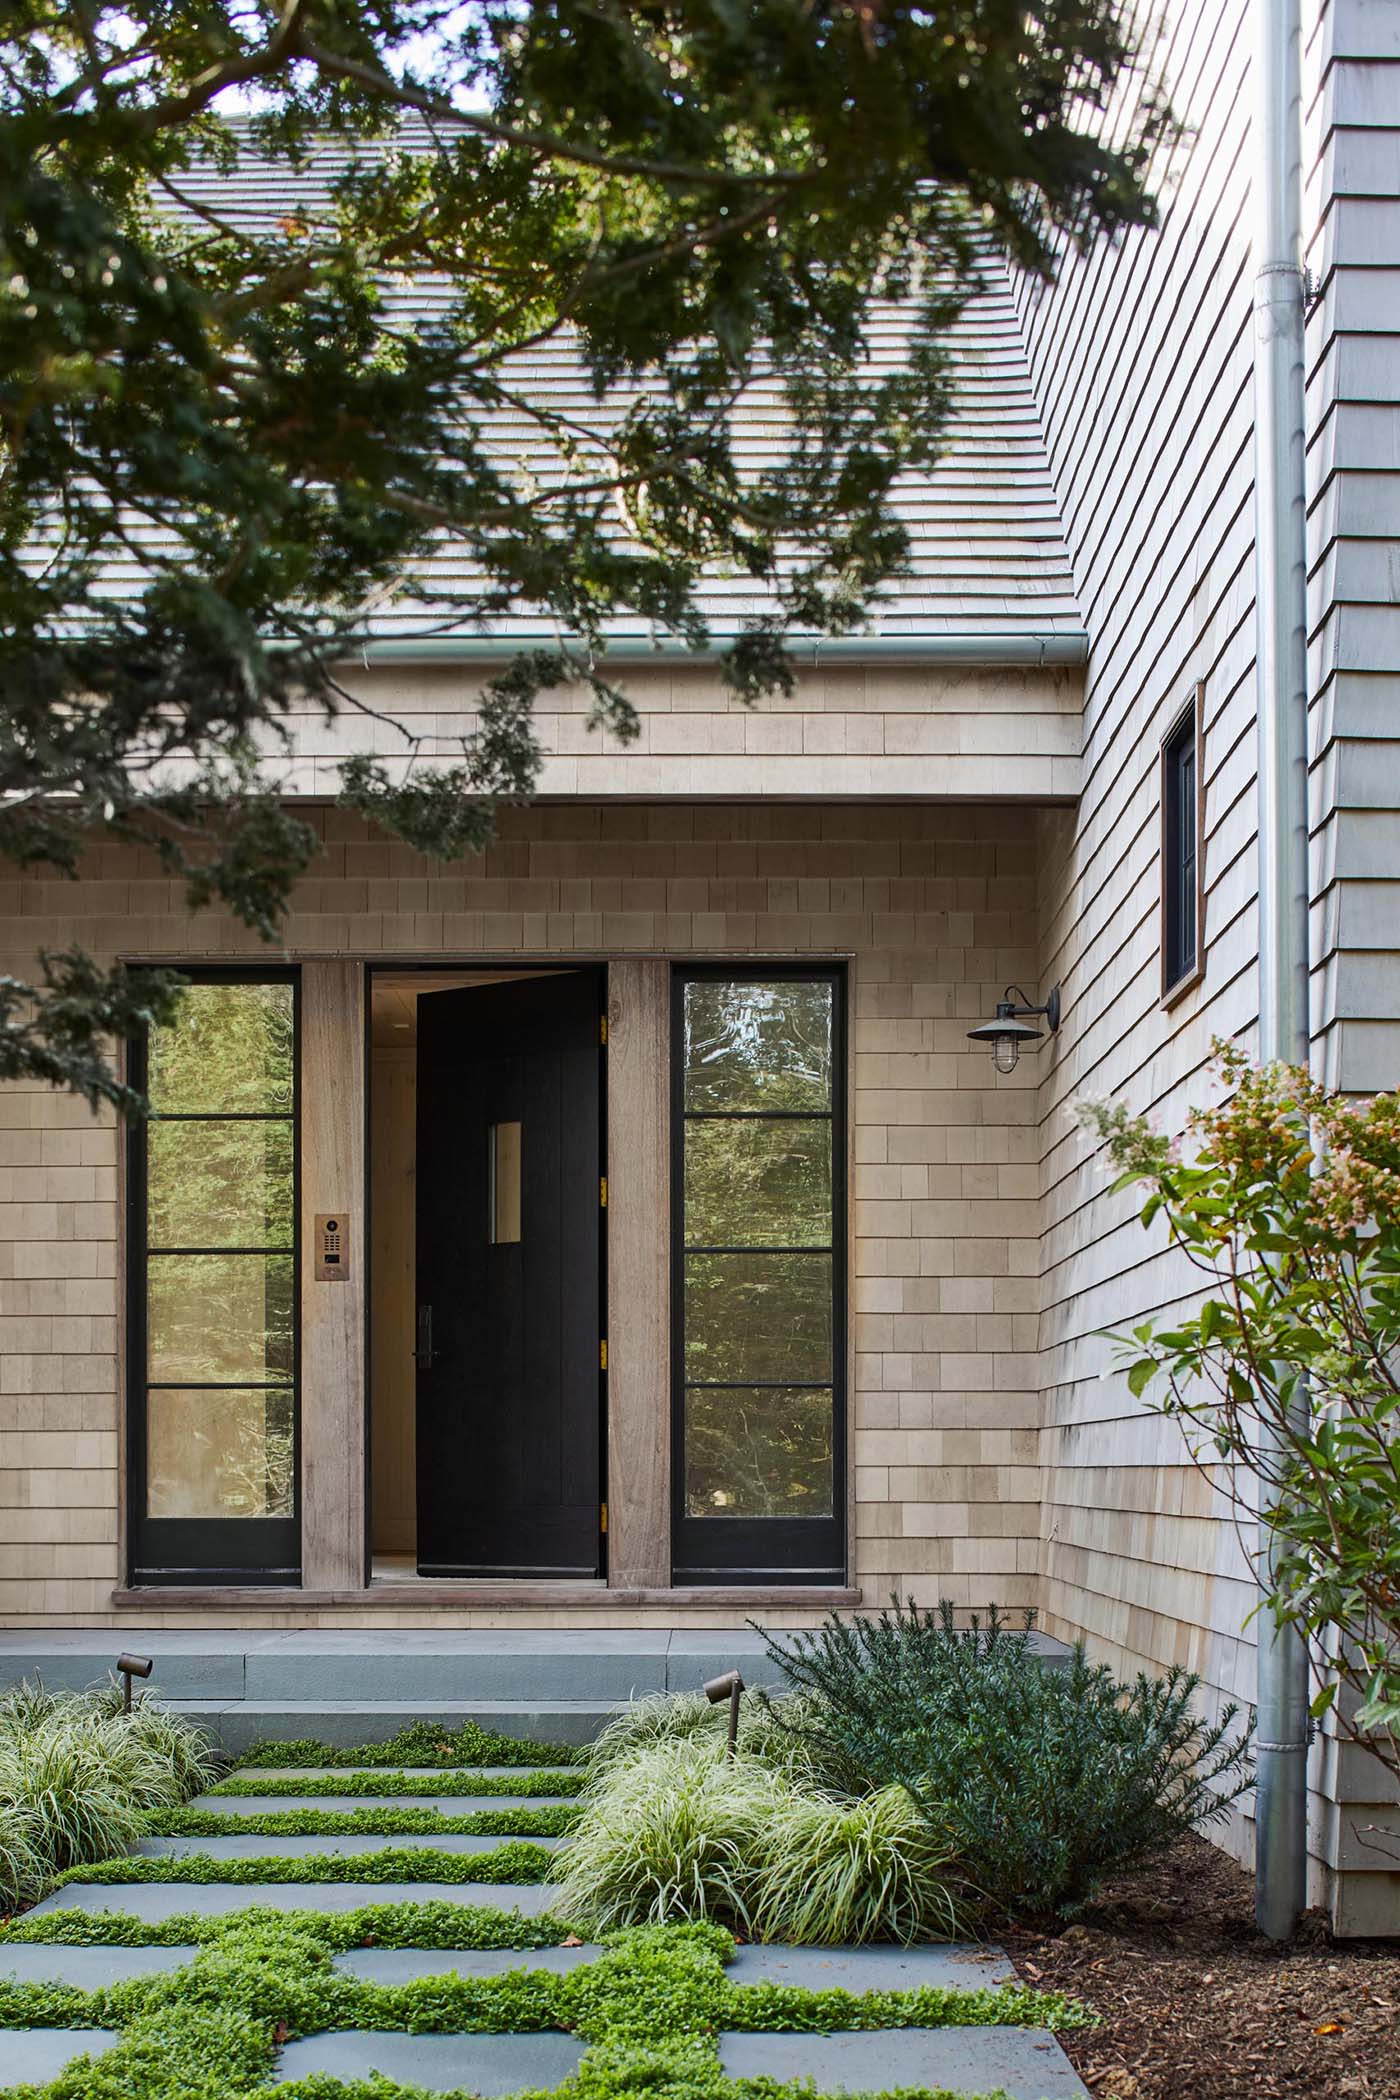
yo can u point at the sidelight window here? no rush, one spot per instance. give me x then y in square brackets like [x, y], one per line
[213, 1245]
[760, 1215]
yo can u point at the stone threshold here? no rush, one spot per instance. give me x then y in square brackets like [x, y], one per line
[494, 1596]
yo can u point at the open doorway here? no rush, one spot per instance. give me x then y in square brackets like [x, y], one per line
[485, 1273]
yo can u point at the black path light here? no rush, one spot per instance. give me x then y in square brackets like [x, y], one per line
[132, 1666]
[727, 1687]
[1012, 1030]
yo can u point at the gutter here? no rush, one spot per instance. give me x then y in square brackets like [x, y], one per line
[990, 651]
[1281, 671]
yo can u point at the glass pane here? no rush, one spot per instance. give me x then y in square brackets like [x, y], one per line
[228, 1049]
[760, 1453]
[223, 1454]
[505, 1184]
[222, 1319]
[220, 1184]
[757, 1316]
[753, 1046]
[758, 1184]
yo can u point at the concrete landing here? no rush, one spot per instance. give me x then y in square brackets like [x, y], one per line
[363, 1685]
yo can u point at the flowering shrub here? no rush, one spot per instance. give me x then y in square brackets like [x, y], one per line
[1286, 1198]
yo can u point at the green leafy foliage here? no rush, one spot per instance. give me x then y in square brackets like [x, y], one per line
[389, 1822]
[1285, 1377]
[452, 1781]
[80, 1780]
[420, 1743]
[648, 2011]
[245, 414]
[508, 1862]
[1038, 1780]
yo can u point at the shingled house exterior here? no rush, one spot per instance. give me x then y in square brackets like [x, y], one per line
[661, 1123]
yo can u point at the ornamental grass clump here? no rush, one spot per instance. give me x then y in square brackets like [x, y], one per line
[1042, 1779]
[80, 1780]
[850, 1871]
[672, 1833]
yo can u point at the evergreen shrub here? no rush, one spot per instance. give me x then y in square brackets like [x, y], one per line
[1041, 1779]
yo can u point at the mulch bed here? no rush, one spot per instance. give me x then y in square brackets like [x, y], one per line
[1197, 2006]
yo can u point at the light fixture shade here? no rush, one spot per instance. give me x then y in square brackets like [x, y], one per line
[1005, 1029]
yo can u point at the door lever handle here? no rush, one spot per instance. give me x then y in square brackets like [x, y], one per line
[423, 1354]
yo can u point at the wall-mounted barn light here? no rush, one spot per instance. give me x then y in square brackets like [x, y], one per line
[1011, 1028]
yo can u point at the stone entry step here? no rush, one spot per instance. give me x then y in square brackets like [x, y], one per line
[346, 1723]
[158, 1900]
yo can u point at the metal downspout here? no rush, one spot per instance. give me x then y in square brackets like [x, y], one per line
[1281, 1828]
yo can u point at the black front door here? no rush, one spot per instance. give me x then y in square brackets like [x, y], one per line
[509, 1383]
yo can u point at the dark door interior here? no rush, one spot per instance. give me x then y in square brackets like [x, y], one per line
[508, 1243]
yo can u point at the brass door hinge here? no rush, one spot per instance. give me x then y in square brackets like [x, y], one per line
[602, 1356]
[603, 1030]
[602, 1192]
[603, 1516]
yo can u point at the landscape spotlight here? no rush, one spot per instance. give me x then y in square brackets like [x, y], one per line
[727, 1687]
[132, 1666]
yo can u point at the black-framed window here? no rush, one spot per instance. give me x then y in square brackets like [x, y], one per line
[213, 1287]
[758, 1308]
[1181, 850]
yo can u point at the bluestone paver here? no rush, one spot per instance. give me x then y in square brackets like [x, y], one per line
[242, 1845]
[88, 1968]
[485, 2064]
[155, 1901]
[954, 1968]
[1023, 2062]
[34, 2055]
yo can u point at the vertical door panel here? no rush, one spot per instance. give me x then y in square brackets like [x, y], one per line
[509, 1409]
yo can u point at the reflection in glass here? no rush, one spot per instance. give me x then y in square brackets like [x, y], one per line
[221, 1454]
[220, 1184]
[504, 1177]
[758, 1316]
[228, 1051]
[758, 1184]
[221, 1319]
[758, 1046]
[758, 1453]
